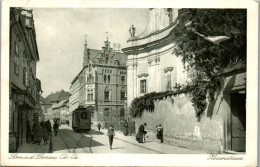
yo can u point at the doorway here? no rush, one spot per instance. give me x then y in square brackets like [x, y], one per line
[238, 121]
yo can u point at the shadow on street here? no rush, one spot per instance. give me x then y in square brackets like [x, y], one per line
[67, 139]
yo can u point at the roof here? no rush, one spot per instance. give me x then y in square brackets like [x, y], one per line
[234, 67]
[58, 96]
[60, 104]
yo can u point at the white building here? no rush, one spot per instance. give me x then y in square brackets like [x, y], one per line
[152, 66]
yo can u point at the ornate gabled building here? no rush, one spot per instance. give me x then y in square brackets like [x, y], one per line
[101, 84]
[24, 87]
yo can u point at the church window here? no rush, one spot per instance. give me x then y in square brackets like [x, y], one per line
[168, 81]
[143, 86]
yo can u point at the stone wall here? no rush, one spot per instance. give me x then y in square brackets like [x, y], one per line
[182, 127]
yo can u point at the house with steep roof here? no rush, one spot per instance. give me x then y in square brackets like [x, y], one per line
[101, 84]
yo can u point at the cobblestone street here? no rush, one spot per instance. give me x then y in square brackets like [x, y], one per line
[93, 141]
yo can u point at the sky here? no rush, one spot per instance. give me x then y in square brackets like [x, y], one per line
[60, 35]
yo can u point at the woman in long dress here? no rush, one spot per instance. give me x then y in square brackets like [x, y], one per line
[125, 128]
[140, 137]
[38, 132]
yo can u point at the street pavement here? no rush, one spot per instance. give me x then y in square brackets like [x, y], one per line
[93, 141]
[33, 148]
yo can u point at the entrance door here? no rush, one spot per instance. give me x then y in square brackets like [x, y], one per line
[238, 121]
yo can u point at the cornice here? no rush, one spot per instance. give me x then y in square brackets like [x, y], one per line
[142, 75]
[168, 69]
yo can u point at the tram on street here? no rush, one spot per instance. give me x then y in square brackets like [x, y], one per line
[81, 118]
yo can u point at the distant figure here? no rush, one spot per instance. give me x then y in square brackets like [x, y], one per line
[132, 31]
[28, 132]
[56, 127]
[159, 134]
[125, 128]
[99, 126]
[68, 122]
[111, 134]
[140, 137]
[45, 135]
[38, 132]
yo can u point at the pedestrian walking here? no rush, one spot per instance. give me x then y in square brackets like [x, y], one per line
[140, 137]
[45, 135]
[125, 132]
[38, 132]
[111, 134]
[99, 126]
[28, 132]
[56, 127]
[159, 134]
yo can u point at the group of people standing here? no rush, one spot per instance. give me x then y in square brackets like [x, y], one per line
[40, 131]
[141, 134]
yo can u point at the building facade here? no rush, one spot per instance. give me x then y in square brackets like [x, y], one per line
[24, 87]
[101, 84]
[152, 66]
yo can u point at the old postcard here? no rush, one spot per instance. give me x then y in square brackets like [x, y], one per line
[140, 83]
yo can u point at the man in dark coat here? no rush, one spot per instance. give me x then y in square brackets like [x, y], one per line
[48, 126]
[56, 127]
[99, 126]
[110, 134]
[140, 137]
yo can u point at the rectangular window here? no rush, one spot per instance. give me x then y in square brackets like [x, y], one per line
[143, 86]
[91, 96]
[88, 96]
[106, 96]
[106, 112]
[169, 83]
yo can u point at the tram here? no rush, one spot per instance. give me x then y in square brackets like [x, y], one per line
[81, 118]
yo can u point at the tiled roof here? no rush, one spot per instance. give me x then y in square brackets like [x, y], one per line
[237, 66]
[60, 104]
[58, 96]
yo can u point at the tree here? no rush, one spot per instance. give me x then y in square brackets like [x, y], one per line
[194, 43]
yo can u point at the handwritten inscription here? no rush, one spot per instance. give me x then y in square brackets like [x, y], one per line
[224, 157]
[43, 156]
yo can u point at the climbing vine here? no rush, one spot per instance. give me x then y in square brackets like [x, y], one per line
[202, 58]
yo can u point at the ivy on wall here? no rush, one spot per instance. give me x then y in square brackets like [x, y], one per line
[202, 57]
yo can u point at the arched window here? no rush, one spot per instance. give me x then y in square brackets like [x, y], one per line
[105, 78]
[107, 95]
[108, 78]
[123, 80]
[90, 78]
[122, 93]
[107, 60]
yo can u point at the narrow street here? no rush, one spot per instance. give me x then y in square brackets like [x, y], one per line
[93, 141]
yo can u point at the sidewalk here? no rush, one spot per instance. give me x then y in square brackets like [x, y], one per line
[152, 144]
[33, 148]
